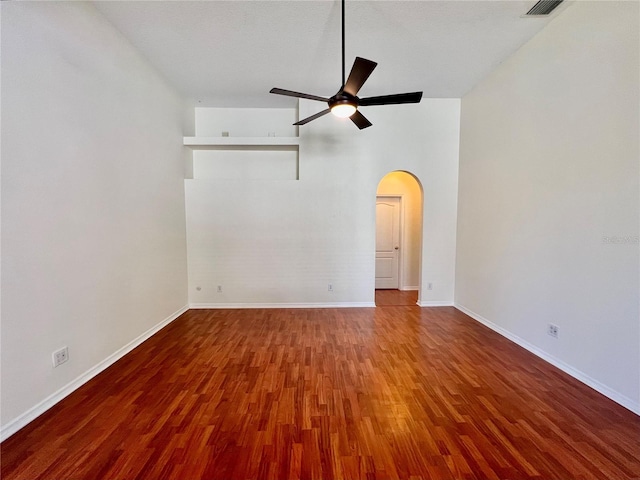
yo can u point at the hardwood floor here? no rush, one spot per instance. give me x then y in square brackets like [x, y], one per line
[388, 298]
[372, 393]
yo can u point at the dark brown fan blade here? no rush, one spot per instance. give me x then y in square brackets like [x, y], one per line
[360, 120]
[313, 117]
[360, 71]
[413, 97]
[289, 93]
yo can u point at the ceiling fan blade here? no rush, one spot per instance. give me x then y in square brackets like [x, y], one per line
[290, 93]
[360, 71]
[313, 117]
[413, 97]
[360, 120]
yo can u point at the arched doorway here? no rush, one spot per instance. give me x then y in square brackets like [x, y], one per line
[399, 200]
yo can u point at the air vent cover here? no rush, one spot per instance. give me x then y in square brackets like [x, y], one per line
[543, 7]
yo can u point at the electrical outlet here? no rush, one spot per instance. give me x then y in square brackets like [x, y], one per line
[60, 356]
[429, 286]
[219, 288]
[552, 330]
[330, 287]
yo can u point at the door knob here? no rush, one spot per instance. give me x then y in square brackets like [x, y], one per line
[396, 248]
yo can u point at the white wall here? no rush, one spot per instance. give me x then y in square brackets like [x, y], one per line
[246, 122]
[549, 168]
[404, 185]
[245, 163]
[283, 242]
[93, 247]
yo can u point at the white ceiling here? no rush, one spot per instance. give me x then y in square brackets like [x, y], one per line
[231, 53]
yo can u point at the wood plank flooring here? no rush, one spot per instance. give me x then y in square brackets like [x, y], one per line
[389, 298]
[371, 393]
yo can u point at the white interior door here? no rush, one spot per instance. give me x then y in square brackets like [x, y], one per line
[387, 242]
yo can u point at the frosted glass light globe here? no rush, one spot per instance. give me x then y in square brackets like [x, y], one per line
[343, 110]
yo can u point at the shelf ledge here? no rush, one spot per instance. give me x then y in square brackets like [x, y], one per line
[239, 141]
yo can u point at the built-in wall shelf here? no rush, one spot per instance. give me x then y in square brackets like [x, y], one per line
[204, 142]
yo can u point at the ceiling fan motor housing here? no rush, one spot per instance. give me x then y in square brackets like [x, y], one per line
[343, 104]
[343, 98]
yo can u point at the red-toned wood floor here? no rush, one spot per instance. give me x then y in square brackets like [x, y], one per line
[390, 298]
[371, 393]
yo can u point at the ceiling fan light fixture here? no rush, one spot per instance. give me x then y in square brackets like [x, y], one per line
[345, 103]
[343, 110]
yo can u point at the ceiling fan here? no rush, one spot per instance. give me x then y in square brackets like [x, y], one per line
[345, 103]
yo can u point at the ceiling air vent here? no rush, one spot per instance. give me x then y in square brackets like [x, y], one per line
[543, 7]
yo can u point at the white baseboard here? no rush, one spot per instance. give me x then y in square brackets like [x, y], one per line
[281, 305]
[409, 288]
[434, 303]
[17, 423]
[617, 397]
